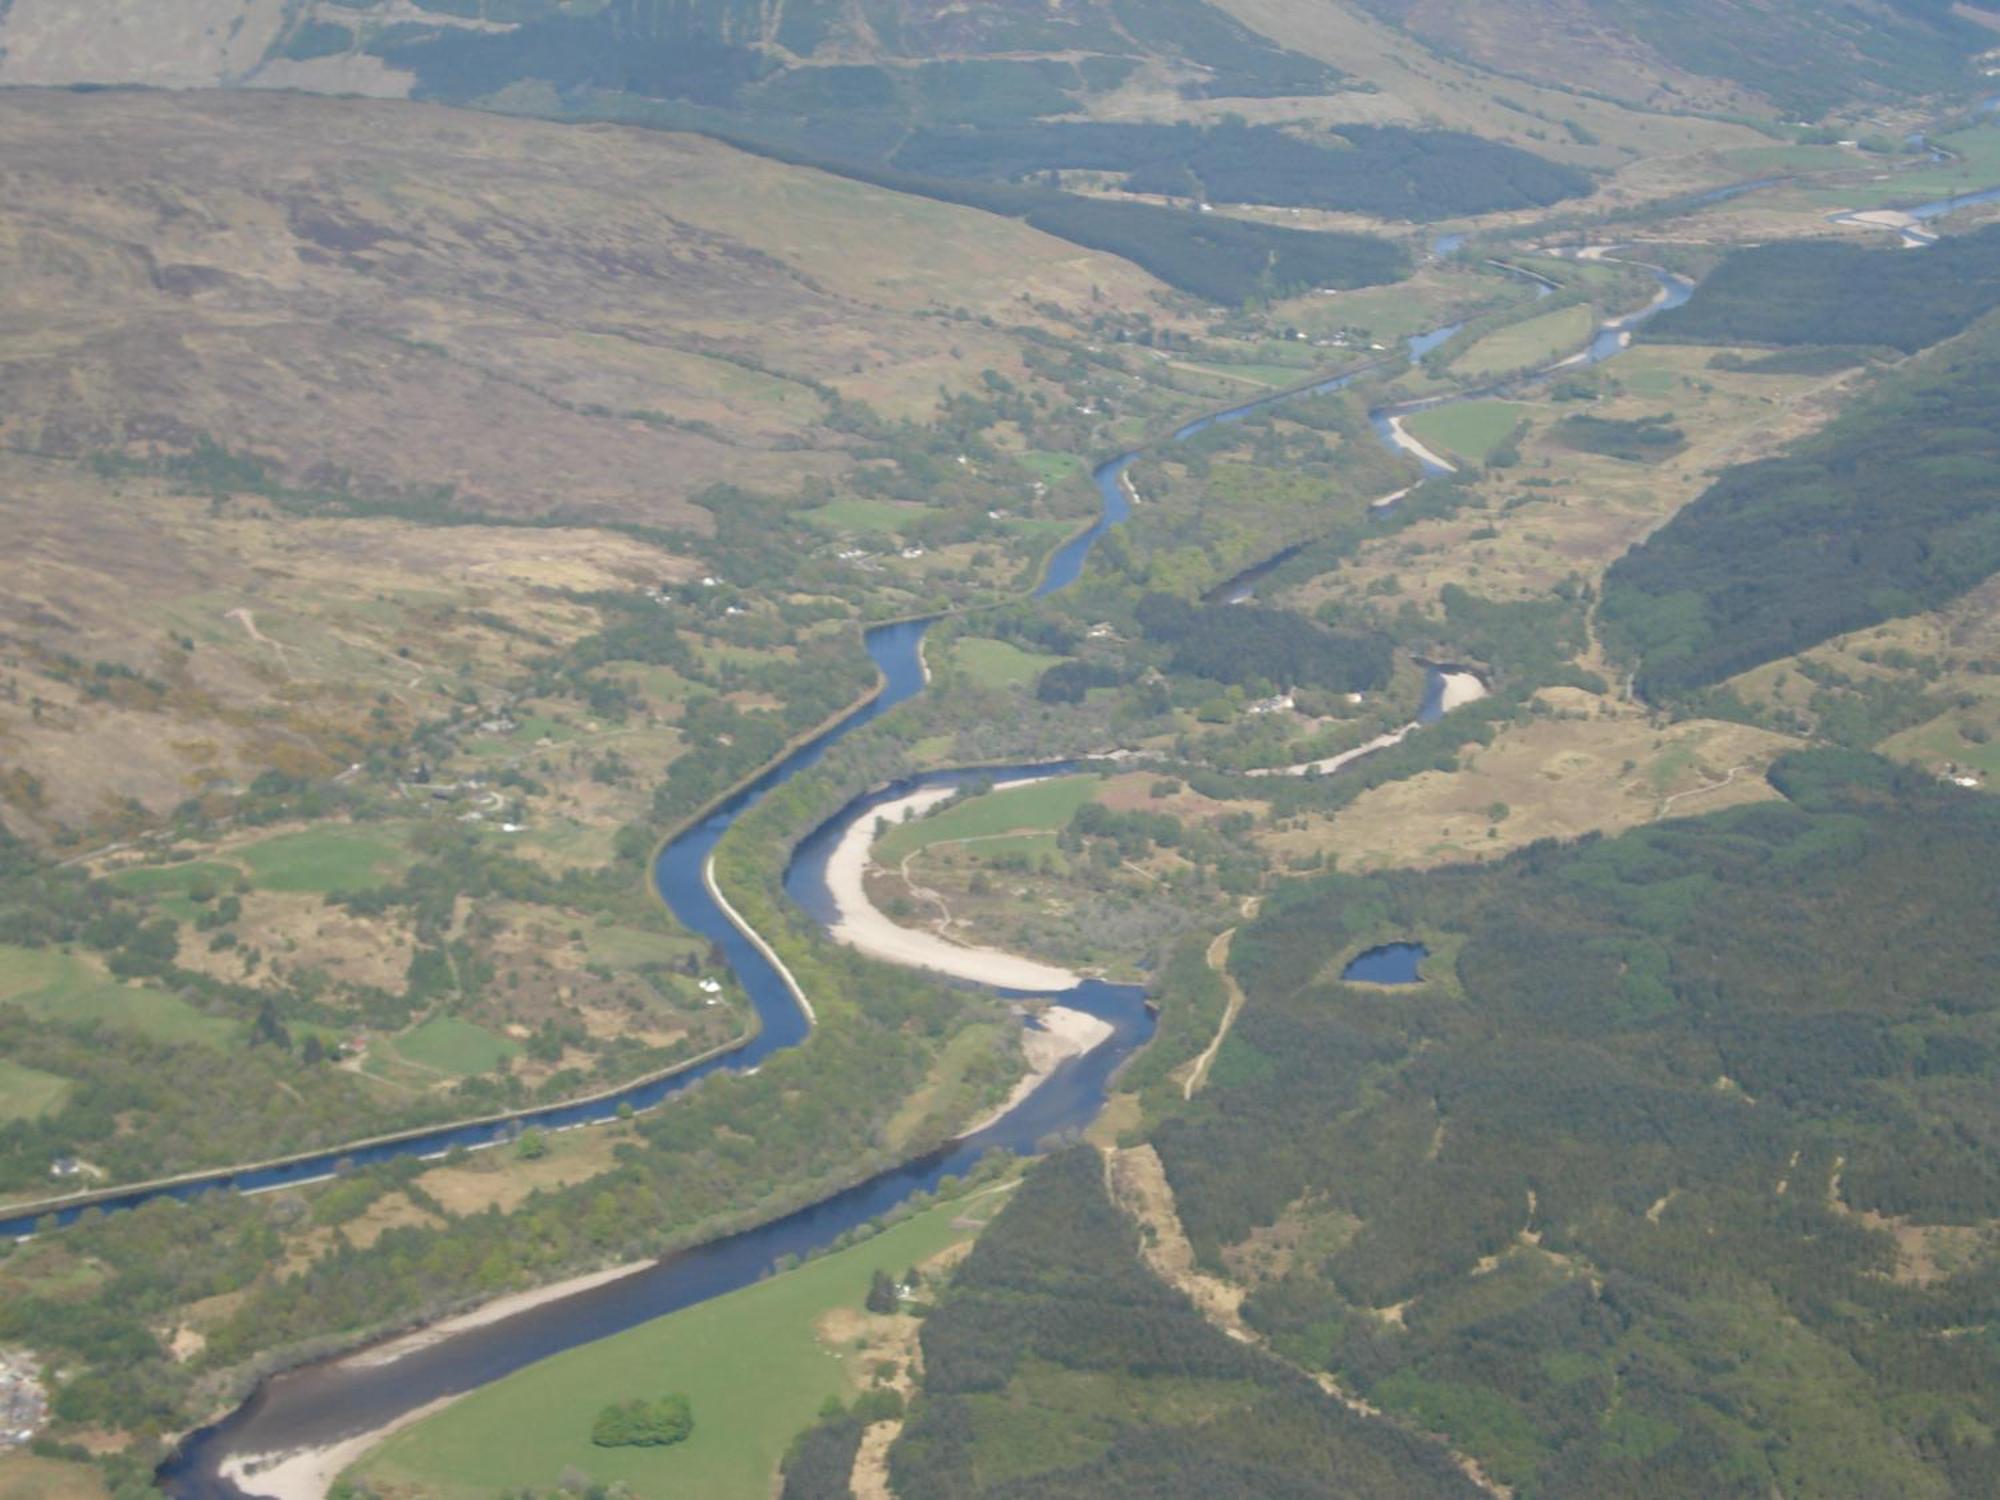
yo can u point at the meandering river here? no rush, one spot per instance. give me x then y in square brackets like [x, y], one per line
[321, 1405]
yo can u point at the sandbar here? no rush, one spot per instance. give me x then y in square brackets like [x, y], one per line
[861, 925]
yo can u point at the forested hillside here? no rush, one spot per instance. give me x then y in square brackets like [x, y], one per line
[1387, 171]
[1891, 509]
[1827, 292]
[1674, 1178]
[1060, 1368]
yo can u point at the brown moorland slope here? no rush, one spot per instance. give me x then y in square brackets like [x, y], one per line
[365, 294]
[318, 308]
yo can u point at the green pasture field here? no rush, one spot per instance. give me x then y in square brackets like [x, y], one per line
[324, 860]
[1530, 344]
[28, 1093]
[1002, 664]
[1041, 808]
[1467, 429]
[451, 1045]
[876, 518]
[750, 1363]
[54, 986]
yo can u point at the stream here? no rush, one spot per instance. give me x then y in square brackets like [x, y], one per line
[320, 1404]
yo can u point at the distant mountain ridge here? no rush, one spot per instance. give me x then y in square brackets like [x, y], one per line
[1022, 58]
[1802, 57]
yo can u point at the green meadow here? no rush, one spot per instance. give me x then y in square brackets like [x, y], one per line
[1469, 430]
[1002, 664]
[751, 1364]
[27, 1093]
[324, 860]
[56, 986]
[1529, 344]
[451, 1045]
[1041, 808]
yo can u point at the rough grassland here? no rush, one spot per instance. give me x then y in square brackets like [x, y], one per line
[353, 328]
[750, 1362]
[25, 1477]
[1044, 807]
[276, 641]
[1945, 654]
[1562, 513]
[1549, 778]
[1421, 87]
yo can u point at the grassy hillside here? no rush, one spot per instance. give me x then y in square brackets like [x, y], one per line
[276, 354]
[359, 293]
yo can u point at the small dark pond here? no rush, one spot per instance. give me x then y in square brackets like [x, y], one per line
[1392, 963]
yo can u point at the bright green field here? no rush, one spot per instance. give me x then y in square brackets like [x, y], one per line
[27, 1092]
[994, 663]
[454, 1046]
[1528, 345]
[1469, 429]
[324, 859]
[1051, 468]
[54, 986]
[873, 517]
[1043, 807]
[749, 1362]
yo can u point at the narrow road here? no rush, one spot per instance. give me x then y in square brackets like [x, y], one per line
[1218, 960]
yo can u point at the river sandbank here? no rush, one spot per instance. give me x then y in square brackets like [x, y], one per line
[1062, 1033]
[478, 1317]
[861, 925]
[1403, 438]
[307, 1473]
[310, 1472]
